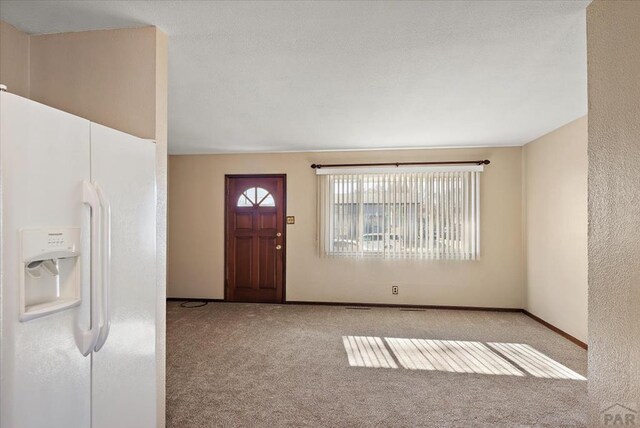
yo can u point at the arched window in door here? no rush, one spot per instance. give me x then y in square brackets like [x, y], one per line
[256, 197]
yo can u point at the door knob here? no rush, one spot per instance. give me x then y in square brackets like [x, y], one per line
[278, 247]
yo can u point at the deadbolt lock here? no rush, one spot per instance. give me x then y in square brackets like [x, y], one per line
[278, 247]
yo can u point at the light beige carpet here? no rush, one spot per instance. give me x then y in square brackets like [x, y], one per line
[251, 365]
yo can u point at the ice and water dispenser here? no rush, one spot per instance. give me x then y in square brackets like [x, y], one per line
[50, 271]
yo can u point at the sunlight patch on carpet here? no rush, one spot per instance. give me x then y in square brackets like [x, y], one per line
[535, 362]
[367, 351]
[449, 356]
[455, 356]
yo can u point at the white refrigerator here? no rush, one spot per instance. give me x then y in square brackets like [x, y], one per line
[78, 272]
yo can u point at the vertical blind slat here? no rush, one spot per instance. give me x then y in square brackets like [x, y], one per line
[338, 211]
[420, 215]
[466, 215]
[447, 225]
[476, 235]
[361, 216]
[456, 183]
[472, 188]
[454, 211]
[438, 202]
[431, 214]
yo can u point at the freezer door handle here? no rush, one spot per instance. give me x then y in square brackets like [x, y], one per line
[105, 266]
[89, 337]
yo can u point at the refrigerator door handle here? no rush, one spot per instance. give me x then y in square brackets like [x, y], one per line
[89, 337]
[105, 322]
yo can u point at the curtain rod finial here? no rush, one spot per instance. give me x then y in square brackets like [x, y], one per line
[316, 166]
[486, 162]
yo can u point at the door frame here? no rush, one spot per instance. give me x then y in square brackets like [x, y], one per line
[284, 228]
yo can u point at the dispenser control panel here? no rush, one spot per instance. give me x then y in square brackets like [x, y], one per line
[56, 239]
[36, 241]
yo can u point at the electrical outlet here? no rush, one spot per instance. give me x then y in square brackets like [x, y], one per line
[394, 289]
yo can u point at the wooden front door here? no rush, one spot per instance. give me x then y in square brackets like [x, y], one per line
[255, 238]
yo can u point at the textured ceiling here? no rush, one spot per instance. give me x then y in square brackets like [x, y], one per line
[289, 76]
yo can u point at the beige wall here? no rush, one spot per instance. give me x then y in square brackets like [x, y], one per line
[108, 77]
[613, 38]
[114, 77]
[196, 234]
[14, 59]
[555, 222]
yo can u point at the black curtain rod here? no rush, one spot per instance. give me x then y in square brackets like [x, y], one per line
[342, 165]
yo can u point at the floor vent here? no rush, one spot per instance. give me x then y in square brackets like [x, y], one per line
[412, 310]
[360, 308]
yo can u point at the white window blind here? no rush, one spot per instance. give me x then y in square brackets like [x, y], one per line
[428, 213]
